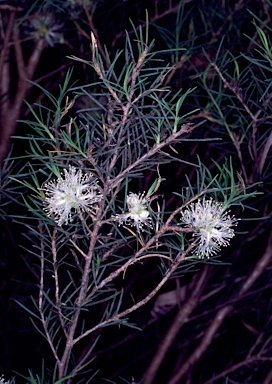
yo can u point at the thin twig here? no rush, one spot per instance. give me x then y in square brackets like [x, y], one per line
[41, 299]
[180, 258]
[56, 279]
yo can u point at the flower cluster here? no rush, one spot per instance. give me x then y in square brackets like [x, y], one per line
[137, 215]
[80, 192]
[76, 191]
[212, 226]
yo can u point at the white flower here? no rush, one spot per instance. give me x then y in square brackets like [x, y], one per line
[137, 215]
[213, 226]
[2, 380]
[76, 191]
[45, 27]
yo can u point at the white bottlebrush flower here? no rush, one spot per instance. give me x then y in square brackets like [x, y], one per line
[76, 191]
[137, 215]
[45, 27]
[213, 226]
[2, 380]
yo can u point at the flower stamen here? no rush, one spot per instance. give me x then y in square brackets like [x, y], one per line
[138, 214]
[75, 190]
[212, 226]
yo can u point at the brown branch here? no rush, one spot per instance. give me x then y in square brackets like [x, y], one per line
[4, 68]
[9, 120]
[250, 359]
[264, 153]
[198, 352]
[181, 318]
[11, 8]
[21, 67]
[268, 378]
[259, 268]
[222, 313]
